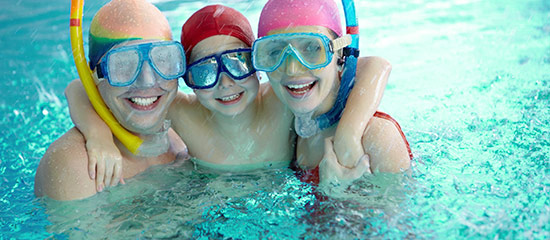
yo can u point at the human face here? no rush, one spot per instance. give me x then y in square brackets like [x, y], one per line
[304, 90]
[140, 107]
[228, 97]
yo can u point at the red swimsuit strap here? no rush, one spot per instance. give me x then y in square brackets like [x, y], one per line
[389, 118]
[312, 175]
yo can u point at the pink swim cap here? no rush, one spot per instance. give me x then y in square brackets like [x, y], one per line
[292, 13]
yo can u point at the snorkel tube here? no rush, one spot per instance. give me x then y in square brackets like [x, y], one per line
[129, 140]
[351, 53]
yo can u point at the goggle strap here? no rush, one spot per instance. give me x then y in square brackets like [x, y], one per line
[341, 42]
[99, 72]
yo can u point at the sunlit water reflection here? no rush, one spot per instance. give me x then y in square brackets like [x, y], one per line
[470, 86]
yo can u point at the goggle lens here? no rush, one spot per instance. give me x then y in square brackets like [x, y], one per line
[121, 66]
[168, 60]
[238, 64]
[204, 73]
[312, 50]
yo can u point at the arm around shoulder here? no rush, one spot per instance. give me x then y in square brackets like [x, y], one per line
[63, 171]
[371, 79]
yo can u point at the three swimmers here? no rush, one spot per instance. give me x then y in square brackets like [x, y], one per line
[232, 122]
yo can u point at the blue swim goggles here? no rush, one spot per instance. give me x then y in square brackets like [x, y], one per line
[313, 50]
[121, 66]
[205, 72]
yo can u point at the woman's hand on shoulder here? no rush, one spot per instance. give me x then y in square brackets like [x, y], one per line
[332, 173]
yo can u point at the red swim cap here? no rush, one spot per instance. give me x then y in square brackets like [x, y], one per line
[215, 20]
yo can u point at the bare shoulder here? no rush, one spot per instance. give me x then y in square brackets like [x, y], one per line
[384, 143]
[186, 112]
[63, 171]
[372, 61]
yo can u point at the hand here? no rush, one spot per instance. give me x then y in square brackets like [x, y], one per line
[107, 160]
[331, 172]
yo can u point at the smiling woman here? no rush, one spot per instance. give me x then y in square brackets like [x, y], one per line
[473, 100]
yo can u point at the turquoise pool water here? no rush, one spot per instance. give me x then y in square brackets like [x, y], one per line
[470, 86]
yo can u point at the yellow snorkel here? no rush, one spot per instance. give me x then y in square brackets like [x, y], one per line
[129, 140]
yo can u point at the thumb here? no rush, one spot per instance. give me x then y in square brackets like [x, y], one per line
[329, 147]
[362, 167]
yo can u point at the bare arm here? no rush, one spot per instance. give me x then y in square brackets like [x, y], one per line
[364, 99]
[102, 152]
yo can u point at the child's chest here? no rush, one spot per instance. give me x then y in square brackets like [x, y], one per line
[247, 145]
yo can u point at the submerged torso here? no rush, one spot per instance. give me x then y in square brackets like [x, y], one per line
[310, 151]
[63, 171]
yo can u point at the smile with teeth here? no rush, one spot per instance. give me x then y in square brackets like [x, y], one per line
[299, 89]
[144, 102]
[230, 98]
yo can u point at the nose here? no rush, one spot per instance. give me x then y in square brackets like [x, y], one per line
[146, 77]
[226, 81]
[292, 65]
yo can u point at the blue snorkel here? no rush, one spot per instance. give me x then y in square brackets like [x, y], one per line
[351, 53]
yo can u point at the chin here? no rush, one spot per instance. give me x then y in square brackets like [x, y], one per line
[233, 112]
[305, 106]
[301, 110]
[144, 125]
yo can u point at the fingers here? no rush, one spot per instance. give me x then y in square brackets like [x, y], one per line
[100, 175]
[329, 168]
[117, 175]
[363, 167]
[92, 161]
[108, 175]
[329, 147]
[364, 162]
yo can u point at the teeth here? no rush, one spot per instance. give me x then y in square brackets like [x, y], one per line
[144, 101]
[230, 98]
[298, 86]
